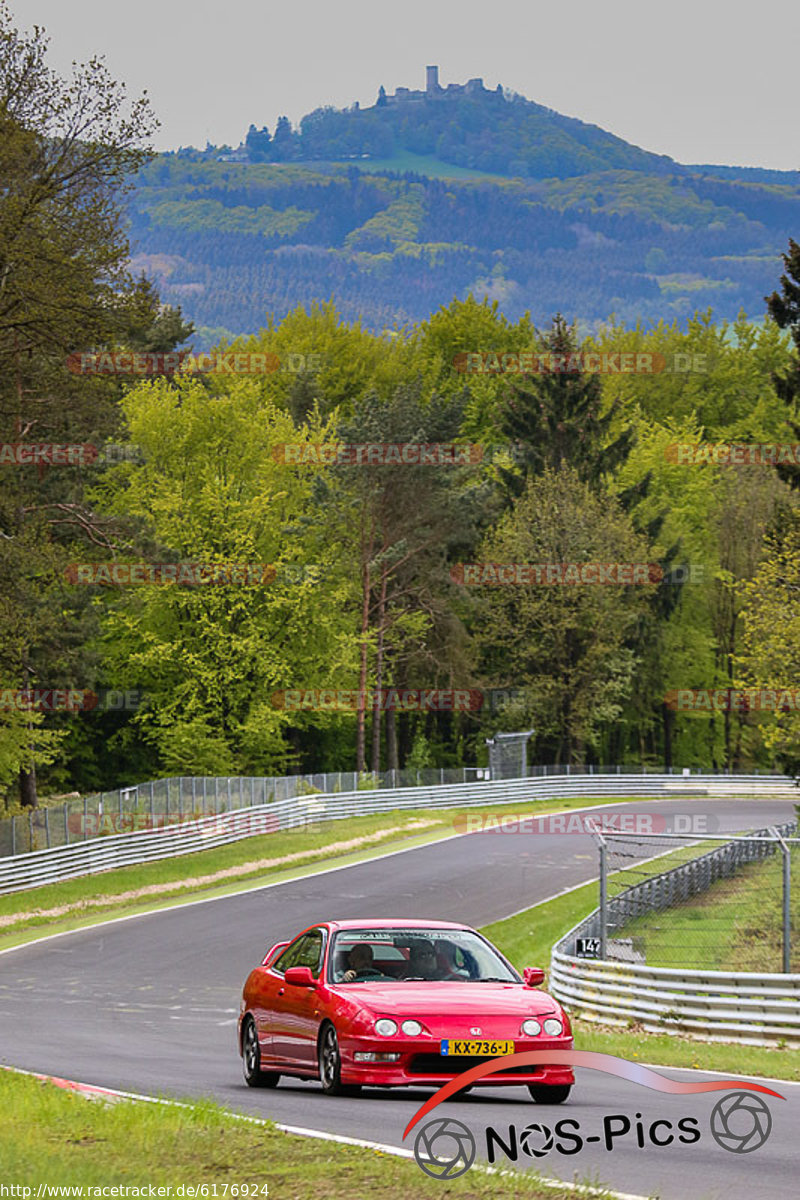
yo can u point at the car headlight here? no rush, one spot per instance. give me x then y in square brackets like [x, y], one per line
[553, 1026]
[386, 1027]
[412, 1028]
[531, 1027]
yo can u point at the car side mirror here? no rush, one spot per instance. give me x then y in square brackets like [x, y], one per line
[300, 977]
[533, 976]
[273, 950]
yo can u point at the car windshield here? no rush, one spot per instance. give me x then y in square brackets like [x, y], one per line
[444, 955]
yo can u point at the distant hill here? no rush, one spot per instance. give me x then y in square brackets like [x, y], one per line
[395, 209]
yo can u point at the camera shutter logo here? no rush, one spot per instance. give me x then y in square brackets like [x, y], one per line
[444, 1148]
[536, 1140]
[740, 1122]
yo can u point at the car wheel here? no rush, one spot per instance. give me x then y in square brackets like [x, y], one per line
[549, 1095]
[330, 1065]
[251, 1059]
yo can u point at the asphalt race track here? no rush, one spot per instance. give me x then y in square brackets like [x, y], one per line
[149, 1005]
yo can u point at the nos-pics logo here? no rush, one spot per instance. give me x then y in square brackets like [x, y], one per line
[445, 1148]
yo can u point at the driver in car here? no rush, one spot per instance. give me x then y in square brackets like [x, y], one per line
[359, 960]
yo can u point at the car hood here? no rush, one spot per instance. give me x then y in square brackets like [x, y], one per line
[452, 999]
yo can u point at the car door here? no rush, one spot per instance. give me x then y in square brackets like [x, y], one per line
[294, 1018]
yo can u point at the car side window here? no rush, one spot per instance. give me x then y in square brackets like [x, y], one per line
[305, 951]
[310, 953]
[288, 958]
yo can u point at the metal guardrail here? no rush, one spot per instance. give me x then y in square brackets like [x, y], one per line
[752, 1007]
[172, 801]
[196, 832]
[720, 1005]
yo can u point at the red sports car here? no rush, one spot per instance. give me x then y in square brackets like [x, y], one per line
[392, 1003]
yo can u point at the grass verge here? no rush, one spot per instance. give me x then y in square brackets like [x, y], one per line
[526, 940]
[49, 1136]
[735, 925]
[268, 858]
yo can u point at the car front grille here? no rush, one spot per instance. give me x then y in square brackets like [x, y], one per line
[449, 1064]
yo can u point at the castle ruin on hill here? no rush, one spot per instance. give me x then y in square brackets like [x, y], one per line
[434, 90]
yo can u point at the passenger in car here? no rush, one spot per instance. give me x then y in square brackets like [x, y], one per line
[422, 962]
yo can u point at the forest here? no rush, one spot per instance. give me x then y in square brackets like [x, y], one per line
[371, 531]
[230, 242]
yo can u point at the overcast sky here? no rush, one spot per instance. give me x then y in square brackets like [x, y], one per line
[701, 80]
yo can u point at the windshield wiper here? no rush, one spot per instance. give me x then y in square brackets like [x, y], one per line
[493, 979]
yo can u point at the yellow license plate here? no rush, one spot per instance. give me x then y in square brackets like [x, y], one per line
[452, 1046]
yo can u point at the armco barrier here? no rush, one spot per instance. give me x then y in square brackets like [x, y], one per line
[731, 1006]
[172, 801]
[724, 1006]
[21, 871]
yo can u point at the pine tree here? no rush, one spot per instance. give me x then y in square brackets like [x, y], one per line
[784, 308]
[554, 418]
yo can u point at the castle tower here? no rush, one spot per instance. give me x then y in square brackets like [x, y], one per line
[431, 80]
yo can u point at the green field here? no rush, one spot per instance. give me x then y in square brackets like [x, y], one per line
[734, 926]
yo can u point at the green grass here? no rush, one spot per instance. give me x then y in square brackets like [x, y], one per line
[528, 937]
[89, 898]
[736, 925]
[421, 164]
[49, 1136]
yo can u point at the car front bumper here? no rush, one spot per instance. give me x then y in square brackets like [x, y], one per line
[420, 1063]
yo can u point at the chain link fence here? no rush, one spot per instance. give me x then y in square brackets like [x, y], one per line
[172, 801]
[165, 802]
[714, 903]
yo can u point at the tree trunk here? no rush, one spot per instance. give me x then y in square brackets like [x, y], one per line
[361, 717]
[28, 797]
[377, 709]
[405, 740]
[391, 739]
[668, 723]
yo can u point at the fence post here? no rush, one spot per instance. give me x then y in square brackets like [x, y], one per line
[152, 807]
[13, 836]
[787, 888]
[603, 904]
[30, 829]
[85, 817]
[66, 825]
